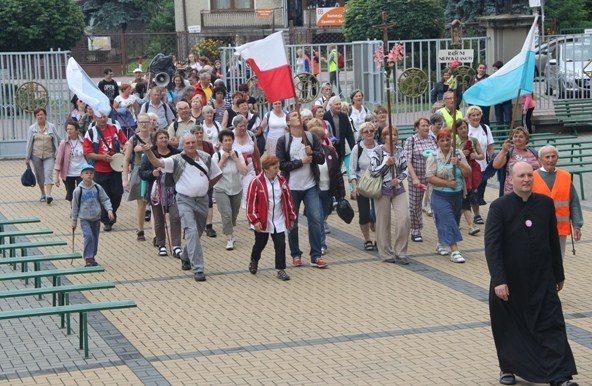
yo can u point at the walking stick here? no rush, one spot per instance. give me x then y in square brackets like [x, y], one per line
[72, 260]
[166, 227]
[573, 246]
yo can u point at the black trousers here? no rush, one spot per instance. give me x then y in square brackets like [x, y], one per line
[113, 186]
[279, 245]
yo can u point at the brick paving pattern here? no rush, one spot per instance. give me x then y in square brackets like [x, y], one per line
[359, 321]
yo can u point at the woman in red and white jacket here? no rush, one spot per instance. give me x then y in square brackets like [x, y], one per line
[270, 209]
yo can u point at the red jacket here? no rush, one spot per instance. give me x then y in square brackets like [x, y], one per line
[257, 202]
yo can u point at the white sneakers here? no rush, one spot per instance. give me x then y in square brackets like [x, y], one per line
[456, 257]
[230, 245]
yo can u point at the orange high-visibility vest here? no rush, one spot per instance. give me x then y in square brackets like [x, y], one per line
[559, 194]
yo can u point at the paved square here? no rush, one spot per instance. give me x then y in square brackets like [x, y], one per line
[359, 321]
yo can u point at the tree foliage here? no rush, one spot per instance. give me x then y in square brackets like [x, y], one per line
[568, 13]
[469, 10]
[113, 15]
[418, 19]
[39, 25]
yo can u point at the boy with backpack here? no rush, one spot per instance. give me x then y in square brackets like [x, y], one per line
[87, 200]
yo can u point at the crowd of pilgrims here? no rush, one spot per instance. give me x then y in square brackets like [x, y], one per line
[442, 184]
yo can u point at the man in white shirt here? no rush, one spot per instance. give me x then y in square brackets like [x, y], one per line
[194, 173]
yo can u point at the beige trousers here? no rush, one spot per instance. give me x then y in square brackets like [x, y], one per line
[400, 233]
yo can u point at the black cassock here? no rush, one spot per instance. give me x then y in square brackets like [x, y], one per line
[522, 251]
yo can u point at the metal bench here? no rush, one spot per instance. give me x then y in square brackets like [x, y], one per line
[55, 274]
[60, 295]
[573, 113]
[81, 309]
[14, 221]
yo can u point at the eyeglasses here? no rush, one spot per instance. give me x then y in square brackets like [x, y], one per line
[144, 122]
[368, 132]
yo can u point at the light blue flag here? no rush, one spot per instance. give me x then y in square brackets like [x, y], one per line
[503, 85]
[85, 89]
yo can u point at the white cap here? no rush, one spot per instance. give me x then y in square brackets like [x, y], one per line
[138, 70]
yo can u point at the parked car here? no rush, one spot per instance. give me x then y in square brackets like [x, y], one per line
[565, 68]
[542, 52]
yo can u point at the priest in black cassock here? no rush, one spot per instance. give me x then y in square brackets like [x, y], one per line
[524, 260]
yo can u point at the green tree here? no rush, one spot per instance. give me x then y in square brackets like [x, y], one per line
[418, 19]
[113, 15]
[39, 25]
[568, 13]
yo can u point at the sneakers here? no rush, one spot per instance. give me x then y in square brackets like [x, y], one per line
[428, 211]
[253, 265]
[296, 262]
[440, 250]
[474, 230]
[230, 245]
[478, 220]
[323, 251]
[147, 215]
[282, 275]
[108, 227]
[140, 236]
[43, 198]
[417, 238]
[200, 276]
[185, 265]
[162, 251]
[402, 259]
[211, 232]
[177, 252]
[319, 263]
[49, 199]
[456, 257]
[327, 229]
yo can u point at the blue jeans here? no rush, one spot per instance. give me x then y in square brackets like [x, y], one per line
[312, 206]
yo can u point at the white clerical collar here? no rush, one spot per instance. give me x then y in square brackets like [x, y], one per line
[544, 170]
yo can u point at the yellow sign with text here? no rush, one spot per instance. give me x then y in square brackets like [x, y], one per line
[330, 17]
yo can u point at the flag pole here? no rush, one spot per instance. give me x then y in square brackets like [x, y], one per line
[511, 129]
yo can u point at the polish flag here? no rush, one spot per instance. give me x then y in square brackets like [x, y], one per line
[267, 57]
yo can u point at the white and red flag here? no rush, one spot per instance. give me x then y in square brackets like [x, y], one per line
[267, 57]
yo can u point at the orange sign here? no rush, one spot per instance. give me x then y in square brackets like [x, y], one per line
[264, 12]
[330, 17]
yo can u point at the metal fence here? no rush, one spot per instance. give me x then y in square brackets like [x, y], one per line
[48, 70]
[361, 72]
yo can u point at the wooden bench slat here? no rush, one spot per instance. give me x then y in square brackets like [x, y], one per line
[25, 220]
[54, 290]
[38, 258]
[30, 232]
[33, 244]
[52, 272]
[69, 309]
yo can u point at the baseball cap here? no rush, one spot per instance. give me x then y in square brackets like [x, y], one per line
[86, 166]
[138, 70]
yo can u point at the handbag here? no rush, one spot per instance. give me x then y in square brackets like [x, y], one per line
[345, 211]
[28, 178]
[370, 186]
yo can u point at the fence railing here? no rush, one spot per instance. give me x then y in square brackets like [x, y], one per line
[45, 68]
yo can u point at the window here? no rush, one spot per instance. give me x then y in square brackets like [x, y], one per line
[229, 5]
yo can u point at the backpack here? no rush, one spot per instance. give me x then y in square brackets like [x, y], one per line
[287, 137]
[340, 60]
[80, 197]
[144, 109]
[220, 157]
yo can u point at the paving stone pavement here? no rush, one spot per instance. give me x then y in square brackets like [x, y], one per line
[359, 322]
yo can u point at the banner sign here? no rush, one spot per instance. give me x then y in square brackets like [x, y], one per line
[330, 17]
[451, 55]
